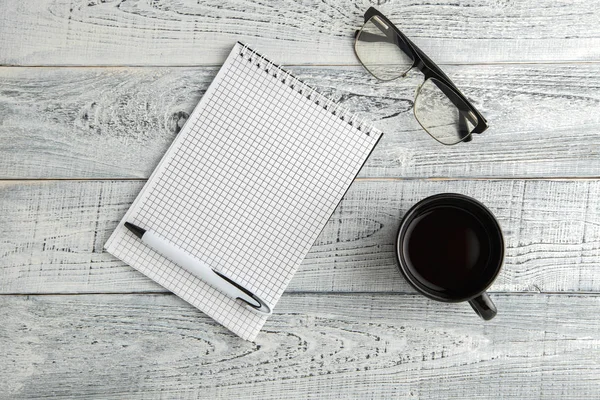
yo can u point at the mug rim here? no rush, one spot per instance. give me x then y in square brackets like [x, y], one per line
[410, 216]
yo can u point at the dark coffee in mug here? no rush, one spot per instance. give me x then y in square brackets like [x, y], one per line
[447, 248]
[450, 248]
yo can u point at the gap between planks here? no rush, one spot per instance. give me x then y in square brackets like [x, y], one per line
[364, 179]
[343, 65]
[310, 292]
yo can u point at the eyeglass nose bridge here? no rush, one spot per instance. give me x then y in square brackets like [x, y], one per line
[413, 73]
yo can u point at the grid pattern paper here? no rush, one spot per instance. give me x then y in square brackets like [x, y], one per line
[247, 186]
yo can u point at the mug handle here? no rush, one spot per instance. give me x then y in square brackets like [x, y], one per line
[484, 306]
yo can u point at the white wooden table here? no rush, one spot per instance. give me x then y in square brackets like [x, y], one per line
[91, 94]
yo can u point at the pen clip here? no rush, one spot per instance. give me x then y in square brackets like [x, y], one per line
[261, 306]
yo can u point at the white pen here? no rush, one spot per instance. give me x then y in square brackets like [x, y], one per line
[199, 268]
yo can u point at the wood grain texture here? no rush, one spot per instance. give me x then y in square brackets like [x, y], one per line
[53, 233]
[348, 325]
[314, 346]
[190, 32]
[117, 122]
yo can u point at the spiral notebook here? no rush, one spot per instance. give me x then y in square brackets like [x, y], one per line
[248, 184]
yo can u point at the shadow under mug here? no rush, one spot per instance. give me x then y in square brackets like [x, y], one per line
[482, 273]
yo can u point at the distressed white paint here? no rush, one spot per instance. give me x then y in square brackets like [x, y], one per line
[53, 233]
[117, 122]
[190, 32]
[349, 326]
[314, 346]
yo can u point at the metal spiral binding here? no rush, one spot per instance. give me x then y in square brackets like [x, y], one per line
[288, 79]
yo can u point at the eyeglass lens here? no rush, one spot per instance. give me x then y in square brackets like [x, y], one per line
[442, 113]
[377, 49]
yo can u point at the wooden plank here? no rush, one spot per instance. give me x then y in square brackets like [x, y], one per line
[314, 346]
[117, 122]
[188, 32]
[53, 232]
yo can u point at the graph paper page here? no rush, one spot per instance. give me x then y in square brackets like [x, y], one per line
[246, 187]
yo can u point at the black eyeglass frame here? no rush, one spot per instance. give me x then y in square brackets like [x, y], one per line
[424, 64]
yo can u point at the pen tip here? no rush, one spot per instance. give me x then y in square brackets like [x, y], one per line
[137, 231]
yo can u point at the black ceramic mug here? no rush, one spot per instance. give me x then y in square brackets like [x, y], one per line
[450, 248]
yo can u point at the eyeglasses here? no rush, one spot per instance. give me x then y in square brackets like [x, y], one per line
[439, 107]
